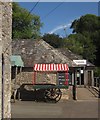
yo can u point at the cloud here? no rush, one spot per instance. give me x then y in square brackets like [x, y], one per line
[59, 28]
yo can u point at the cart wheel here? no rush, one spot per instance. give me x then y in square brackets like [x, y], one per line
[53, 95]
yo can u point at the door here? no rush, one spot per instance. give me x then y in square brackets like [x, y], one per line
[80, 77]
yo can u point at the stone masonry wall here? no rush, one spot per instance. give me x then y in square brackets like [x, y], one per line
[23, 77]
[6, 16]
[27, 77]
[0, 60]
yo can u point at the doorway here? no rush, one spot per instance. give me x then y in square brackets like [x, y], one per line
[89, 78]
[80, 77]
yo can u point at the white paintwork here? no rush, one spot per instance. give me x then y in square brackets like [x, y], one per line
[80, 62]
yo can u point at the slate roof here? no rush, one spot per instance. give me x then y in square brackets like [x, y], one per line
[73, 56]
[38, 51]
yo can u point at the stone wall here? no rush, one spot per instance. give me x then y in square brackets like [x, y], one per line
[5, 44]
[0, 60]
[23, 77]
[27, 76]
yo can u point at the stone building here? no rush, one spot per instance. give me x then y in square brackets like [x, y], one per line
[85, 74]
[38, 51]
[32, 52]
[5, 53]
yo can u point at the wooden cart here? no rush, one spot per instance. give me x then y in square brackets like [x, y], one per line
[52, 92]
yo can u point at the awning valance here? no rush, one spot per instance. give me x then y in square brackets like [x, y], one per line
[51, 67]
[16, 60]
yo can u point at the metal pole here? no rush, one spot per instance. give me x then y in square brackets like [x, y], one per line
[74, 86]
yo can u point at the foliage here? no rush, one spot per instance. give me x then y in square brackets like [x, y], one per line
[54, 40]
[73, 44]
[89, 28]
[81, 45]
[97, 72]
[85, 41]
[85, 23]
[24, 25]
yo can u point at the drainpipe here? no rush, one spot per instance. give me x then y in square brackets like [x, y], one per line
[2, 86]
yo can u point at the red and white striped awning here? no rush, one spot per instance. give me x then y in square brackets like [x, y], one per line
[51, 67]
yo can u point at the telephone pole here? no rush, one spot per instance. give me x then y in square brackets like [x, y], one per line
[65, 31]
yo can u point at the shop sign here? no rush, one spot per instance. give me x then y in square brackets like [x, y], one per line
[80, 62]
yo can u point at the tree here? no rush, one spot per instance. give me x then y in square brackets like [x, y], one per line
[54, 40]
[85, 23]
[81, 45]
[24, 24]
[89, 27]
[73, 44]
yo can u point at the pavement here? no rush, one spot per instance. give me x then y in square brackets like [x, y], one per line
[85, 94]
[86, 106]
[62, 109]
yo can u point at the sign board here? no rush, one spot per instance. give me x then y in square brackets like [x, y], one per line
[82, 71]
[80, 62]
[61, 78]
[78, 74]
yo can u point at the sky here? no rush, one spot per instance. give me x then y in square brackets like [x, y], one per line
[62, 16]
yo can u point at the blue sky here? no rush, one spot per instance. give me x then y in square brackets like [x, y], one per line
[62, 16]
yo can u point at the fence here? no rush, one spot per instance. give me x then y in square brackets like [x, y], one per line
[96, 81]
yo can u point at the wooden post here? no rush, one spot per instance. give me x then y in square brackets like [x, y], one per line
[34, 77]
[66, 77]
[19, 82]
[57, 79]
[92, 78]
[16, 69]
[80, 76]
[96, 82]
[20, 75]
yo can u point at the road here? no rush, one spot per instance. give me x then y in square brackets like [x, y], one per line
[62, 109]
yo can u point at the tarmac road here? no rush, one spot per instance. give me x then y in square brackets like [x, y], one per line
[67, 109]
